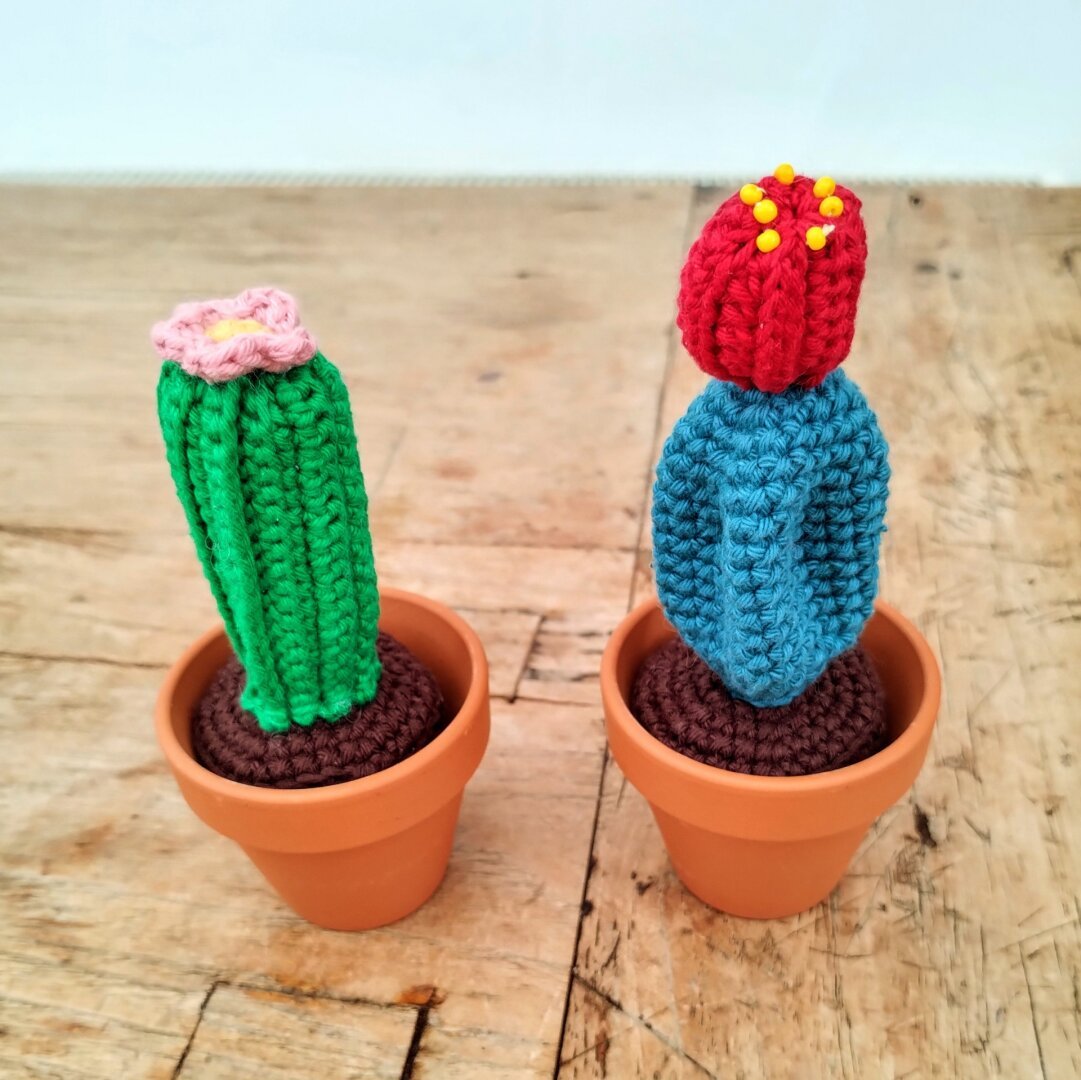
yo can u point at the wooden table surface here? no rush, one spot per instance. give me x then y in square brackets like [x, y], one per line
[513, 369]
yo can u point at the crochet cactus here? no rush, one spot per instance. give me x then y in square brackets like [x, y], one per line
[770, 494]
[260, 442]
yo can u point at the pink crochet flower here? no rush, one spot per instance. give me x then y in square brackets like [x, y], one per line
[219, 340]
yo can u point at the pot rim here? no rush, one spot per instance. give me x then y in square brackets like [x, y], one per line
[879, 780]
[252, 796]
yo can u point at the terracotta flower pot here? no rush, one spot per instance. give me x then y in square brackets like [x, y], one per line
[367, 852]
[762, 846]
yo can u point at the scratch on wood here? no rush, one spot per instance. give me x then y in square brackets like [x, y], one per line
[983, 834]
[613, 952]
[641, 1021]
[1032, 1010]
[923, 826]
[395, 446]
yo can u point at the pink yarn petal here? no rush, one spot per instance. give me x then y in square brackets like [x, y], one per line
[286, 343]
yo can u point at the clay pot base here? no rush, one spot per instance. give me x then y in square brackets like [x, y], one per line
[837, 721]
[405, 715]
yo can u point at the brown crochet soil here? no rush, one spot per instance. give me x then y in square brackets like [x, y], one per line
[837, 721]
[405, 715]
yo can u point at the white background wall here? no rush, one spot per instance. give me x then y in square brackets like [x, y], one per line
[987, 90]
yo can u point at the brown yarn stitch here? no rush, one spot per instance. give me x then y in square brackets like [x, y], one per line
[405, 715]
[838, 720]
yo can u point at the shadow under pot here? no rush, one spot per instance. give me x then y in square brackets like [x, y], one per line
[770, 846]
[363, 853]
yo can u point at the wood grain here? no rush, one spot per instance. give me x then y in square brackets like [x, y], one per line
[514, 371]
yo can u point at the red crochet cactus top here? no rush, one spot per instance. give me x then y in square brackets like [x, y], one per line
[769, 291]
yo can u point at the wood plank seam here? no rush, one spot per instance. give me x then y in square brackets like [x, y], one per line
[672, 349]
[428, 998]
[524, 666]
[415, 1042]
[591, 865]
[214, 984]
[584, 908]
[107, 661]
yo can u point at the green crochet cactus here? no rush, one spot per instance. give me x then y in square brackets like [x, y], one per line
[266, 467]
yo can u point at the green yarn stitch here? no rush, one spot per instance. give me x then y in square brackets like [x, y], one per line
[267, 470]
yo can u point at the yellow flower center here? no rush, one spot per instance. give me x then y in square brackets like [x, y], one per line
[224, 329]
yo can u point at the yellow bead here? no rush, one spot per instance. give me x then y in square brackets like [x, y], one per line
[831, 206]
[224, 329]
[785, 173]
[765, 211]
[816, 238]
[767, 240]
[750, 194]
[824, 186]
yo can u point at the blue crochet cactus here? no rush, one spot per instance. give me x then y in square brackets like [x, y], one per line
[768, 510]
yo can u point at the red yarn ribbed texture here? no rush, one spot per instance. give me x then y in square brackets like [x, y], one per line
[838, 720]
[771, 320]
[405, 715]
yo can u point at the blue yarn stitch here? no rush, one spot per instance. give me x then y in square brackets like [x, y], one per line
[767, 515]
